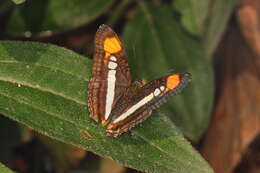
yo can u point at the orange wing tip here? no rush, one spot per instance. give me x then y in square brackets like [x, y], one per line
[110, 127]
[112, 45]
[173, 81]
[103, 123]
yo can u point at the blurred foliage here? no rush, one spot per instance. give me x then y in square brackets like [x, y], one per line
[10, 136]
[194, 14]
[19, 1]
[4, 169]
[43, 16]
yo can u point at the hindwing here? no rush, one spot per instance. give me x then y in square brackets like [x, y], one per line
[138, 107]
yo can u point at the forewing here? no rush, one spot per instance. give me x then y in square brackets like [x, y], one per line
[135, 109]
[111, 74]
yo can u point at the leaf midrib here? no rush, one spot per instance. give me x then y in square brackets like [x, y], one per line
[13, 81]
[41, 65]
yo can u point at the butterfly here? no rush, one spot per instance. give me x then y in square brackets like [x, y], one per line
[113, 98]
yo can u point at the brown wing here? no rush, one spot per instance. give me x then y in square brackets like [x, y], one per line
[133, 110]
[111, 74]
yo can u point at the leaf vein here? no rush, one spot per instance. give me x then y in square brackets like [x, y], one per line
[41, 89]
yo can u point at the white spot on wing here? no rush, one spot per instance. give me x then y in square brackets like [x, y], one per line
[156, 92]
[162, 88]
[111, 79]
[113, 58]
[134, 108]
[112, 65]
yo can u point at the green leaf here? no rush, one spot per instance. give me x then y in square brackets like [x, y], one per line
[5, 6]
[4, 169]
[155, 47]
[220, 13]
[18, 1]
[44, 87]
[193, 14]
[47, 16]
[206, 18]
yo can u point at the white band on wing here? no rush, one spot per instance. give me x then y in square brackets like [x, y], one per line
[134, 108]
[111, 84]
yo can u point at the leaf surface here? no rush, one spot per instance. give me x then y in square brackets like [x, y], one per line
[219, 15]
[18, 1]
[44, 87]
[194, 14]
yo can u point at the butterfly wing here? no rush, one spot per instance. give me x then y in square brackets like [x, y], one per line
[111, 74]
[133, 110]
